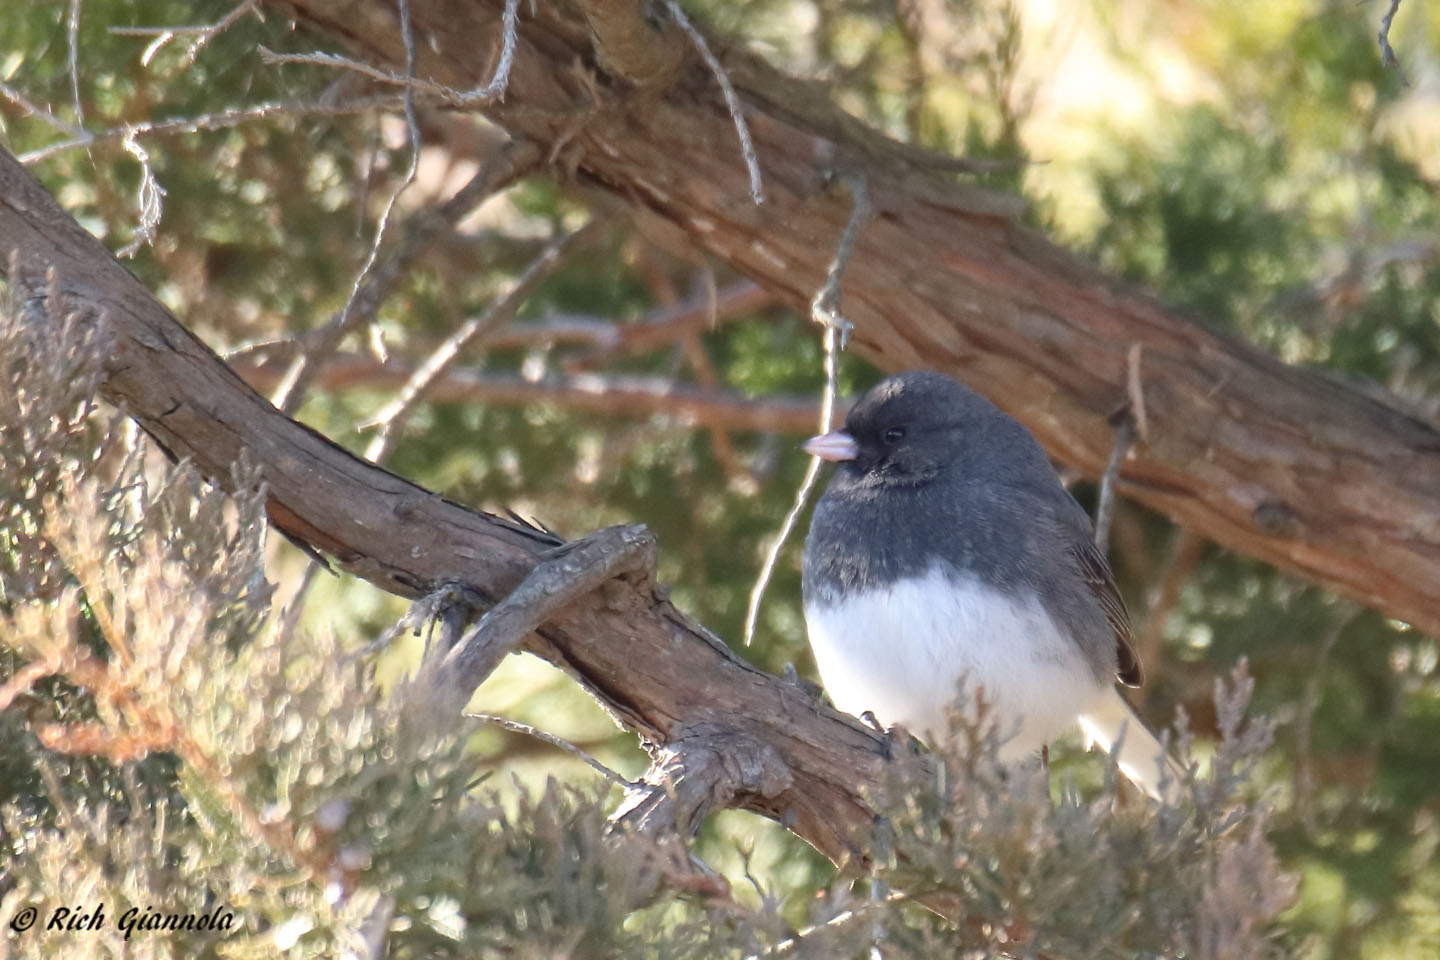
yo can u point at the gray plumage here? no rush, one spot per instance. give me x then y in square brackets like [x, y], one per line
[945, 556]
[970, 486]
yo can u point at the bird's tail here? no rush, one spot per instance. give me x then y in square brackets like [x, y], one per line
[1141, 757]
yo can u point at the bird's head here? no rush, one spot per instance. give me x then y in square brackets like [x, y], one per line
[907, 429]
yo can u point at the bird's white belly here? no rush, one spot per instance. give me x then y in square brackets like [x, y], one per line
[904, 652]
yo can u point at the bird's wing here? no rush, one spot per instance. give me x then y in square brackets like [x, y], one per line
[1091, 563]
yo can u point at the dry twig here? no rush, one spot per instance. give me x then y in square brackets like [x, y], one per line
[1387, 52]
[568, 573]
[503, 167]
[38, 112]
[1105, 508]
[626, 395]
[210, 121]
[151, 201]
[391, 420]
[732, 101]
[669, 324]
[515, 726]
[824, 309]
[1129, 421]
[292, 391]
[203, 33]
[493, 90]
[72, 58]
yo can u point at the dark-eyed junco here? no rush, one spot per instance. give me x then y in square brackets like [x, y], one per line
[945, 551]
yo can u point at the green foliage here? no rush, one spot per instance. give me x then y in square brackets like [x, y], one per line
[1286, 214]
[1274, 199]
[1089, 875]
[302, 809]
[285, 788]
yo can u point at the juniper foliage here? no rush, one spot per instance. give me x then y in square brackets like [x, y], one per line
[175, 746]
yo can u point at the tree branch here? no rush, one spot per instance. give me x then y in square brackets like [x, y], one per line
[944, 278]
[392, 419]
[565, 575]
[506, 164]
[1387, 52]
[646, 53]
[657, 672]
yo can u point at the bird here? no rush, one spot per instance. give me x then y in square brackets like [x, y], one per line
[946, 552]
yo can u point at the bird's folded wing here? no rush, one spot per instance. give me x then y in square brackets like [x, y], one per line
[1101, 581]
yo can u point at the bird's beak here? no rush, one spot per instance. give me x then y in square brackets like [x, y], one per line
[836, 445]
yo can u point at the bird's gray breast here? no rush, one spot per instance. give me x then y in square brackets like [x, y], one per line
[1008, 539]
[863, 539]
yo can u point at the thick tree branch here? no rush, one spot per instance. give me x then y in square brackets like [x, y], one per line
[657, 672]
[565, 575]
[644, 51]
[1286, 465]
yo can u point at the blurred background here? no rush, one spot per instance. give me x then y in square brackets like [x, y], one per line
[1255, 163]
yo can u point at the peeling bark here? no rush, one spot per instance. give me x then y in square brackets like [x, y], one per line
[656, 671]
[1278, 463]
[1286, 465]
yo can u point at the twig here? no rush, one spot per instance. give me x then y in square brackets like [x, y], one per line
[203, 33]
[516, 726]
[210, 121]
[732, 101]
[151, 201]
[570, 572]
[505, 165]
[824, 309]
[217, 28]
[551, 329]
[181, 31]
[1135, 391]
[1387, 53]
[1129, 421]
[38, 112]
[606, 339]
[1105, 508]
[321, 59]
[412, 125]
[870, 909]
[494, 90]
[393, 417]
[72, 59]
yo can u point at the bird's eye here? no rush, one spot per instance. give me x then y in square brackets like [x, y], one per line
[894, 434]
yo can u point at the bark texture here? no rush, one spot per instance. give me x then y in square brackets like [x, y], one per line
[1282, 464]
[656, 671]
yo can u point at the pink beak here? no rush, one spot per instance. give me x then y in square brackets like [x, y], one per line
[836, 445]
